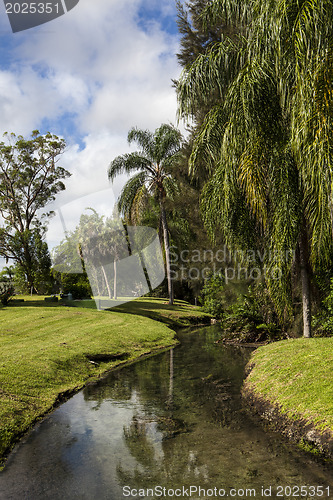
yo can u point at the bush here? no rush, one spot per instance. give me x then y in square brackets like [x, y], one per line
[252, 318]
[7, 292]
[76, 284]
[213, 294]
[323, 321]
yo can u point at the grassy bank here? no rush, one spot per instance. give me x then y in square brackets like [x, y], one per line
[296, 375]
[48, 350]
[181, 314]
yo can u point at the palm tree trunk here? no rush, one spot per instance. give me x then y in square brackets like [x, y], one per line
[106, 282]
[145, 272]
[95, 274]
[115, 279]
[167, 251]
[305, 279]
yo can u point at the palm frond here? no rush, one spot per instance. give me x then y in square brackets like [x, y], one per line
[129, 192]
[253, 180]
[170, 186]
[206, 149]
[128, 163]
[236, 14]
[197, 83]
[168, 142]
[144, 138]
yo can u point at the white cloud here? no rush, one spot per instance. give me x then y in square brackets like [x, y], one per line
[103, 67]
[96, 63]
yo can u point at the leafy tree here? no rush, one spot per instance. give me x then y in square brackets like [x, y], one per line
[196, 37]
[213, 295]
[76, 284]
[29, 179]
[268, 140]
[40, 264]
[154, 164]
[7, 274]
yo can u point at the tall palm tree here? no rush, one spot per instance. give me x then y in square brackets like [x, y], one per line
[152, 168]
[268, 139]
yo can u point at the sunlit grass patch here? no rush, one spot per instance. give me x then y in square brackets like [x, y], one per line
[297, 375]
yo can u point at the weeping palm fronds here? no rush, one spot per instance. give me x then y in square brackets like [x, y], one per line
[268, 140]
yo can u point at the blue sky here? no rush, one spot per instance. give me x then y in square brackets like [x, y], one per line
[90, 76]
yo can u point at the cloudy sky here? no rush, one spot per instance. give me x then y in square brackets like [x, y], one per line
[89, 76]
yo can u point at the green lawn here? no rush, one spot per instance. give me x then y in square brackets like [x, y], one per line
[46, 349]
[181, 313]
[298, 376]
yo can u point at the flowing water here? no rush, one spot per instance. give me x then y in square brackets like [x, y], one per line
[172, 421]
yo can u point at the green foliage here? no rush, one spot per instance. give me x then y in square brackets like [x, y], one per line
[153, 167]
[266, 139]
[7, 274]
[245, 317]
[195, 36]
[36, 273]
[76, 284]
[323, 321]
[94, 244]
[251, 318]
[7, 292]
[29, 180]
[213, 294]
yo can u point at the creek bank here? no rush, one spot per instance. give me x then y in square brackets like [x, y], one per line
[266, 394]
[300, 431]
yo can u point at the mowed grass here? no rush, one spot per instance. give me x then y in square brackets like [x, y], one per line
[297, 375]
[181, 313]
[46, 350]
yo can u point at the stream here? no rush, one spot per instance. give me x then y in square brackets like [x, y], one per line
[169, 426]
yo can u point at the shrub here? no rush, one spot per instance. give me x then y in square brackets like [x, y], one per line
[213, 294]
[323, 321]
[7, 292]
[252, 318]
[76, 284]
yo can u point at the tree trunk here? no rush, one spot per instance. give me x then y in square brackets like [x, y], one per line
[305, 278]
[27, 266]
[167, 252]
[106, 282]
[115, 279]
[145, 272]
[96, 278]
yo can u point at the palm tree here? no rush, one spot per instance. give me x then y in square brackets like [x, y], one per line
[152, 165]
[268, 139]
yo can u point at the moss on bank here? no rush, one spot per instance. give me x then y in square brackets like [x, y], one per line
[290, 384]
[48, 351]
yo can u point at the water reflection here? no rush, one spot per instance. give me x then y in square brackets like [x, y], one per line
[172, 420]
